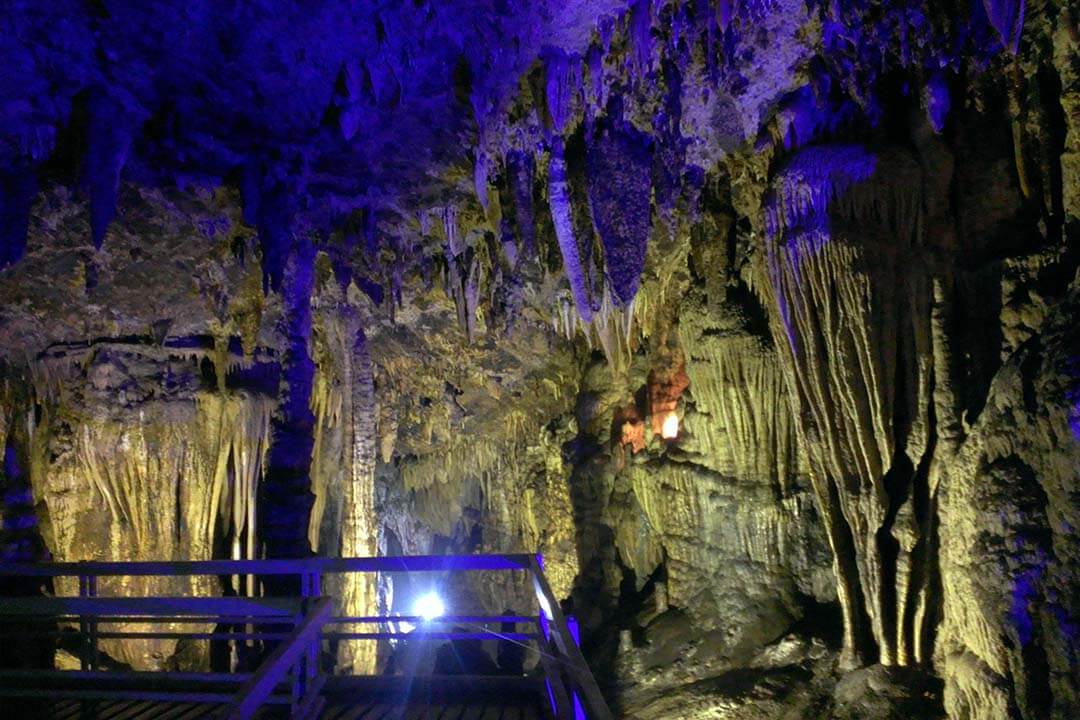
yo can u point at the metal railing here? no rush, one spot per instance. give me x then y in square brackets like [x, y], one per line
[298, 625]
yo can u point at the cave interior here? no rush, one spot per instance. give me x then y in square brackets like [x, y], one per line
[758, 319]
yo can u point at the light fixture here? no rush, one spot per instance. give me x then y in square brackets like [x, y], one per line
[670, 429]
[429, 606]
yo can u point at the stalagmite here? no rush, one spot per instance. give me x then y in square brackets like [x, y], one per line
[359, 524]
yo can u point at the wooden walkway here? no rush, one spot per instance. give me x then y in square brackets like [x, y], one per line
[345, 698]
[291, 680]
[352, 710]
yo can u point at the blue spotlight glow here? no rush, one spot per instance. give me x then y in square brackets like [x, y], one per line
[429, 606]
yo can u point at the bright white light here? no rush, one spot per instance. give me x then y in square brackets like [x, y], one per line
[670, 428]
[429, 606]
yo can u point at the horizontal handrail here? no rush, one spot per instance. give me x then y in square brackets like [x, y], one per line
[148, 607]
[411, 563]
[441, 620]
[99, 676]
[110, 619]
[432, 635]
[126, 694]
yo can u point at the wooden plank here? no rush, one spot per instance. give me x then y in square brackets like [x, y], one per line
[452, 712]
[200, 710]
[448, 688]
[174, 710]
[159, 711]
[473, 712]
[355, 711]
[380, 711]
[66, 709]
[332, 711]
[134, 710]
[351, 711]
[417, 711]
[491, 712]
[109, 710]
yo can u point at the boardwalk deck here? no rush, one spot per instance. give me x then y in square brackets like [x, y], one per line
[353, 709]
[291, 681]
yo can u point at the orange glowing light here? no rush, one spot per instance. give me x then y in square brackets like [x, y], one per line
[670, 429]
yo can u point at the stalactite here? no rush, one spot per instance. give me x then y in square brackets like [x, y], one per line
[464, 271]
[481, 175]
[109, 141]
[562, 87]
[641, 38]
[329, 407]
[1007, 17]
[520, 170]
[738, 385]
[18, 188]
[272, 219]
[20, 526]
[158, 484]
[612, 327]
[563, 219]
[619, 163]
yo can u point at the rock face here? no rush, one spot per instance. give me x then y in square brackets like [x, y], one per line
[133, 456]
[757, 319]
[1008, 511]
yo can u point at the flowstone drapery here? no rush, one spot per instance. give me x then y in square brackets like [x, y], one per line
[849, 314]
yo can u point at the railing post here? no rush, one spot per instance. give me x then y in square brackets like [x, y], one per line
[287, 656]
[315, 586]
[570, 655]
[88, 627]
[556, 687]
[95, 655]
[299, 682]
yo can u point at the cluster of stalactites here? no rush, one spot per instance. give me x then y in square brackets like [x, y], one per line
[609, 196]
[849, 182]
[618, 190]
